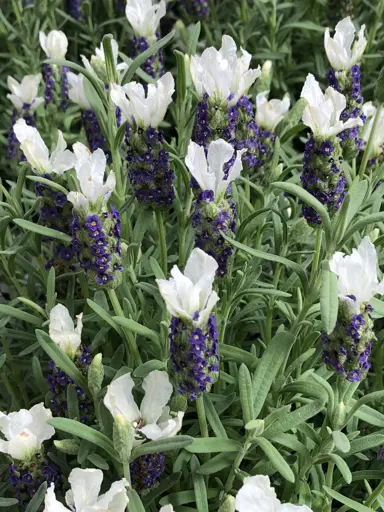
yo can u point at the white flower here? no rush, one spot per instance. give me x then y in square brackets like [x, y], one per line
[90, 169]
[54, 45]
[322, 114]
[145, 16]
[221, 74]
[97, 64]
[257, 495]
[209, 171]
[145, 109]
[25, 431]
[270, 113]
[37, 154]
[340, 52]
[84, 494]
[25, 92]
[189, 296]
[378, 137]
[62, 330]
[357, 274]
[76, 91]
[152, 419]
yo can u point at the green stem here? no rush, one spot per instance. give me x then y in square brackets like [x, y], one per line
[368, 149]
[131, 343]
[236, 464]
[202, 416]
[316, 258]
[162, 241]
[20, 184]
[376, 493]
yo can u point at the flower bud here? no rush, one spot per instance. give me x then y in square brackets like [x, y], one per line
[123, 436]
[374, 235]
[96, 375]
[68, 446]
[255, 427]
[228, 505]
[179, 403]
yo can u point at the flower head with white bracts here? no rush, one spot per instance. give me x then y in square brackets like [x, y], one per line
[97, 64]
[342, 50]
[37, 153]
[76, 91]
[190, 293]
[322, 114]
[153, 419]
[208, 170]
[25, 431]
[84, 494]
[270, 113]
[62, 330]
[54, 45]
[24, 94]
[357, 274]
[257, 495]
[222, 74]
[145, 109]
[145, 16]
[90, 170]
[369, 110]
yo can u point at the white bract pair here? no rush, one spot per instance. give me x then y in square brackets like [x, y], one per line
[84, 494]
[378, 135]
[54, 45]
[25, 431]
[145, 16]
[37, 153]
[208, 170]
[341, 53]
[90, 169]
[24, 93]
[270, 113]
[76, 92]
[62, 330]
[222, 74]
[145, 109]
[357, 275]
[257, 495]
[190, 296]
[152, 420]
[322, 113]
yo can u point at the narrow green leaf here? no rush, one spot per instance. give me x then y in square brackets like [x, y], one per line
[365, 443]
[199, 486]
[341, 441]
[20, 315]
[37, 373]
[277, 459]
[354, 505]
[329, 300]
[8, 502]
[38, 498]
[98, 461]
[217, 463]
[145, 368]
[136, 327]
[212, 445]
[238, 355]
[340, 463]
[49, 183]
[246, 393]
[42, 230]
[165, 484]
[213, 418]
[73, 403]
[135, 503]
[163, 445]
[105, 316]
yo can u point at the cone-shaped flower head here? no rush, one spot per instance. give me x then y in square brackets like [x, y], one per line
[54, 45]
[152, 419]
[84, 494]
[90, 170]
[145, 16]
[37, 153]
[357, 274]
[342, 50]
[369, 111]
[145, 109]
[257, 495]
[270, 113]
[208, 170]
[222, 74]
[322, 114]
[62, 330]
[190, 296]
[76, 91]
[24, 94]
[25, 431]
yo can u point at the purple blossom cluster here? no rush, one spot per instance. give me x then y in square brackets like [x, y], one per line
[96, 240]
[25, 113]
[56, 213]
[348, 348]
[197, 8]
[148, 168]
[56, 86]
[154, 65]
[93, 132]
[194, 356]
[58, 385]
[26, 477]
[210, 220]
[146, 472]
[322, 177]
[349, 86]
[75, 9]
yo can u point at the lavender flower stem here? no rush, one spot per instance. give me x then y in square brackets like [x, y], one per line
[162, 240]
[367, 151]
